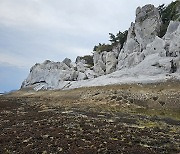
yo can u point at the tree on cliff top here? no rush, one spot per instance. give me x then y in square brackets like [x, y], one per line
[167, 14]
[119, 38]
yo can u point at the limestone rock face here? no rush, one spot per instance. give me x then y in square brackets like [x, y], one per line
[99, 63]
[157, 46]
[51, 75]
[96, 57]
[98, 68]
[143, 53]
[177, 61]
[172, 39]
[172, 47]
[147, 24]
[111, 62]
[106, 62]
[80, 67]
[168, 48]
[117, 49]
[140, 34]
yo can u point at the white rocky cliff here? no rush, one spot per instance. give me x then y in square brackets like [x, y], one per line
[143, 57]
[53, 75]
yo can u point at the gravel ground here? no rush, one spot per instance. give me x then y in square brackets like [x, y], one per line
[112, 119]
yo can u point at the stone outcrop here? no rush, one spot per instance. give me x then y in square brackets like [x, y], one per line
[172, 39]
[105, 62]
[147, 25]
[140, 34]
[111, 62]
[99, 63]
[50, 75]
[142, 53]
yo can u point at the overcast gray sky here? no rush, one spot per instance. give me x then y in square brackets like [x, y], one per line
[35, 30]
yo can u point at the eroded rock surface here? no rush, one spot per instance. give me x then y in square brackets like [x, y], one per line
[143, 53]
[50, 75]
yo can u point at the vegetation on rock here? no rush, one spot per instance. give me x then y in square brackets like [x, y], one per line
[168, 13]
[115, 40]
[119, 38]
[102, 47]
[88, 59]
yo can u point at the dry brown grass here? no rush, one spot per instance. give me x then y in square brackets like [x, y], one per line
[131, 118]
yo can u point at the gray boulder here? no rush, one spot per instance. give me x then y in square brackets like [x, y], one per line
[90, 74]
[67, 61]
[81, 76]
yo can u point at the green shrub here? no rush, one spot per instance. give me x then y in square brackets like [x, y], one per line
[103, 47]
[120, 37]
[88, 59]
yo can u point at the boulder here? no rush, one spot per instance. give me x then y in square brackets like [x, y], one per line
[78, 59]
[102, 65]
[81, 76]
[90, 74]
[67, 61]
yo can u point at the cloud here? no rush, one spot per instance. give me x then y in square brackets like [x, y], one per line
[78, 17]
[13, 60]
[68, 14]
